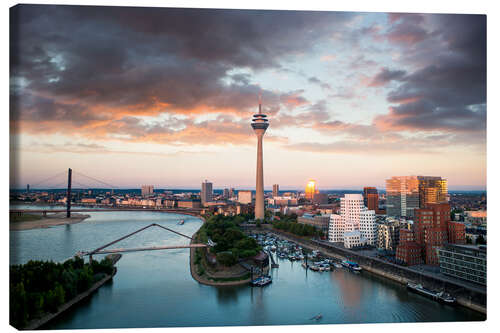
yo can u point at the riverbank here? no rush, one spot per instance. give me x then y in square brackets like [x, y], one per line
[211, 279]
[37, 323]
[462, 301]
[48, 221]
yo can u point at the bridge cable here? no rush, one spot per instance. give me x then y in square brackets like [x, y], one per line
[97, 180]
[49, 178]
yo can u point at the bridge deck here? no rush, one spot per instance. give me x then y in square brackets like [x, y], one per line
[153, 248]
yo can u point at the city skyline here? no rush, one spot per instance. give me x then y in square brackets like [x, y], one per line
[355, 98]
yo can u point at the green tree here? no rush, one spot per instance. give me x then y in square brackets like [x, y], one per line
[18, 305]
[226, 258]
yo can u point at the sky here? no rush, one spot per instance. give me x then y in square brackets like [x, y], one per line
[165, 96]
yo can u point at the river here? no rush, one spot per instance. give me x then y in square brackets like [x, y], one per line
[155, 289]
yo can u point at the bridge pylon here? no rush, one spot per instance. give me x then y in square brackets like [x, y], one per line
[68, 195]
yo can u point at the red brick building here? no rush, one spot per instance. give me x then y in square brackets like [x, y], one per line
[408, 251]
[456, 232]
[434, 239]
[432, 229]
[370, 196]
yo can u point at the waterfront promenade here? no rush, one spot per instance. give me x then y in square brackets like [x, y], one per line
[468, 295]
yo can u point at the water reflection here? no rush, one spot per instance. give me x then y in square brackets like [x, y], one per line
[350, 289]
[227, 294]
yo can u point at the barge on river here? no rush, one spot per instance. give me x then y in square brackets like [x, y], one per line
[441, 296]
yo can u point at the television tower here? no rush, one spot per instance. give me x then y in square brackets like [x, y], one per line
[259, 125]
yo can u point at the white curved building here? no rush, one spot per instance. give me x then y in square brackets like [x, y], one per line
[354, 220]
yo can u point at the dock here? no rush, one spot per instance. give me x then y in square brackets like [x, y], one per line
[273, 262]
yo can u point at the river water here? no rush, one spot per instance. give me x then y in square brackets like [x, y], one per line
[155, 289]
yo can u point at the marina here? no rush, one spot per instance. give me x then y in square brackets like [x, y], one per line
[319, 263]
[310, 260]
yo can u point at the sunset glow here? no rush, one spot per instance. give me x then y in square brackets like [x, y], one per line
[165, 96]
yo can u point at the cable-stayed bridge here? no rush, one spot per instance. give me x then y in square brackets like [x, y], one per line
[78, 180]
[71, 181]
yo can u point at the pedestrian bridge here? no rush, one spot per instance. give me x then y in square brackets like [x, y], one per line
[103, 249]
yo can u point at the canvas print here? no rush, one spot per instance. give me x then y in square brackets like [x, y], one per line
[184, 167]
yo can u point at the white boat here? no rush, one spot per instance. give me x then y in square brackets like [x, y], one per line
[261, 281]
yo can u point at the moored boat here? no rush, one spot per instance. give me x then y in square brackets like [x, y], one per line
[314, 268]
[441, 297]
[261, 281]
[351, 265]
[446, 298]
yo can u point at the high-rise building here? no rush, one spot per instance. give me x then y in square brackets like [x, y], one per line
[147, 190]
[402, 196]
[350, 207]
[407, 193]
[433, 229]
[259, 125]
[432, 190]
[225, 193]
[245, 197]
[370, 195]
[311, 189]
[231, 192]
[354, 223]
[276, 190]
[206, 192]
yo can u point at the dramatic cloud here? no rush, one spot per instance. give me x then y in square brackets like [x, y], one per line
[76, 67]
[385, 76]
[449, 93]
[406, 29]
[180, 76]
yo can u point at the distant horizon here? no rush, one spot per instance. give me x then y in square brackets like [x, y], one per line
[284, 189]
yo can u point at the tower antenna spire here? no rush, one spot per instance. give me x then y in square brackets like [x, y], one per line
[260, 103]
